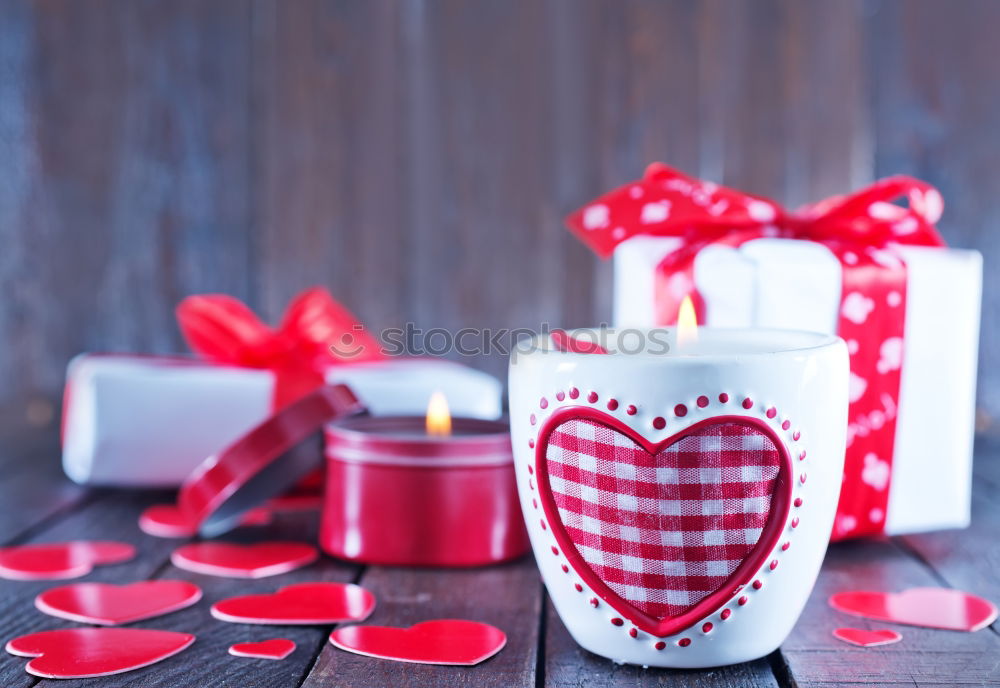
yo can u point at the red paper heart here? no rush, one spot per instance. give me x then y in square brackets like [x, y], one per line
[447, 641]
[944, 608]
[275, 648]
[865, 638]
[60, 560]
[87, 652]
[168, 521]
[243, 561]
[110, 605]
[300, 604]
[595, 472]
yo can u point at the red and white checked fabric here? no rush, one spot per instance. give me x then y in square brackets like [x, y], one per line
[662, 531]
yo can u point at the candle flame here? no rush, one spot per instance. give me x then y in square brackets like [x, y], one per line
[687, 324]
[438, 416]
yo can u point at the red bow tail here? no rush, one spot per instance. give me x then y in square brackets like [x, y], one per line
[315, 334]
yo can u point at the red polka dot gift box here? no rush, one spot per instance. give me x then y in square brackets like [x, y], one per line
[863, 266]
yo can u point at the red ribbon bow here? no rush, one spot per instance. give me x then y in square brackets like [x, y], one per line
[315, 334]
[666, 202]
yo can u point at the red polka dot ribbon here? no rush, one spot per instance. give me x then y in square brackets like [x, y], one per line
[862, 230]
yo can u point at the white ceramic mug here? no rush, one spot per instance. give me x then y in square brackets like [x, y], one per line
[679, 505]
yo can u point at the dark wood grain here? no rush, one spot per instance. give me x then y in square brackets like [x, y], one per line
[924, 656]
[207, 662]
[111, 516]
[125, 176]
[826, 123]
[418, 158]
[511, 597]
[34, 487]
[970, 559]
[468, 67]
[327, 144]
[507, 596]
[567, 665]
[932, 99]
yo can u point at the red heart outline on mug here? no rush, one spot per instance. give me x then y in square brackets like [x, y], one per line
[744, 572]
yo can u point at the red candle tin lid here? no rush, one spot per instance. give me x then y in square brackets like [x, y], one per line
[263, 463]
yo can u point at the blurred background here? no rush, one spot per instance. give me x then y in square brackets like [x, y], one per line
[417, 157]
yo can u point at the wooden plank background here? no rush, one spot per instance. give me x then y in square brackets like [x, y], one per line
[417, 156]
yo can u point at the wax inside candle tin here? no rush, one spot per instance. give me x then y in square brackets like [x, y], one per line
[399, 439]
[413, 427]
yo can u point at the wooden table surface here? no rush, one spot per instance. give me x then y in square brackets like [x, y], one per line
[38, 505]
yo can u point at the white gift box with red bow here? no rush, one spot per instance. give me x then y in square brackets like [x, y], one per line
[785, 283]
[148, 421]
[876, 273]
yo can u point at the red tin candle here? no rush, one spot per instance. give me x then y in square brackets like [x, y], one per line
[400, 492]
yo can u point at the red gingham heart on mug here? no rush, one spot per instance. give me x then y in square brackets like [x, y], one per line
[664, 532]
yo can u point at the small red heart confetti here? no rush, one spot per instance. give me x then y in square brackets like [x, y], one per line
[61, 559]
[943, 608]
[445, 641]
[565, 342]
[168, 521]
[299, 604]
[865, 638]
[110, 605]
[88, 652]
[243, 561]
[275, 648]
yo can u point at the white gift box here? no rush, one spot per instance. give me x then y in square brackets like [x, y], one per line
[786, 283]
[149, 421]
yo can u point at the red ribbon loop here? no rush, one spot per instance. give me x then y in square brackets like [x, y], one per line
[666, 202]
[315, 334]
[870, 216]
